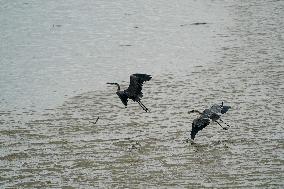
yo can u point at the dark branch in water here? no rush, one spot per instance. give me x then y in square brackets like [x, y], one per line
[195, 23]
[199, 23]
[95, 121]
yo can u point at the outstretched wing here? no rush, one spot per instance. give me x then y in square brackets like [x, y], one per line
[216, 108]
[219, 108]
[134, 90]
[197, 125]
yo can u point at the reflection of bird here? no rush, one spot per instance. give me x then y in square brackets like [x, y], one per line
[134, 91]
[213, 114]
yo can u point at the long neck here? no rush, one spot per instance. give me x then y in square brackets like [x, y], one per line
[118, 87]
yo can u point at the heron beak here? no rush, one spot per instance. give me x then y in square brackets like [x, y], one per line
[110, 83]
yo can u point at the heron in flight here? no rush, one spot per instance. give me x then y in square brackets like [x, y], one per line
[134, 91]
[208, 115]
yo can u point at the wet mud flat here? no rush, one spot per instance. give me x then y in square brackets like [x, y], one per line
[132, 148]
[242, 66]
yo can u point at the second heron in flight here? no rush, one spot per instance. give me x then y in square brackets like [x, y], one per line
[213, 114]
[134, 91]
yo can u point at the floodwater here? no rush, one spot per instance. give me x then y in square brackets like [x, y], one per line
[56, 57]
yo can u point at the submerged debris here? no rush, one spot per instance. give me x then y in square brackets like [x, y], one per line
[135, 146]
[125, 45]
[199, 23]
[56, 25]
[195, 23]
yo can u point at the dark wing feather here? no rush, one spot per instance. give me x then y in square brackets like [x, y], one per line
[219, 108]
[134, 90]
[214, 116]
[216, 108]
[123, 97]
[197, 125]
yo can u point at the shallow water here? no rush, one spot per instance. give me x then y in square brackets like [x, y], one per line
[236, 58]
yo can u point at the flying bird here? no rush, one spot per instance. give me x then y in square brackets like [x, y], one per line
[134, 91]
[208, 115]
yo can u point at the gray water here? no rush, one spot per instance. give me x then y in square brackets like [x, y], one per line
[56, 57]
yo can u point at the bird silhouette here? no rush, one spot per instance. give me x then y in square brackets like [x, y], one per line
[207, 116]
[134, 91]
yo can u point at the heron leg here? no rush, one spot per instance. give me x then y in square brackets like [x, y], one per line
[142, 106]
[225, 123]
[146, 109]
[221, 125]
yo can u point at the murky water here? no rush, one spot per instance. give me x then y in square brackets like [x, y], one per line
[53, 74]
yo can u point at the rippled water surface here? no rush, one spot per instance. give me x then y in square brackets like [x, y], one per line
[56, 58]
